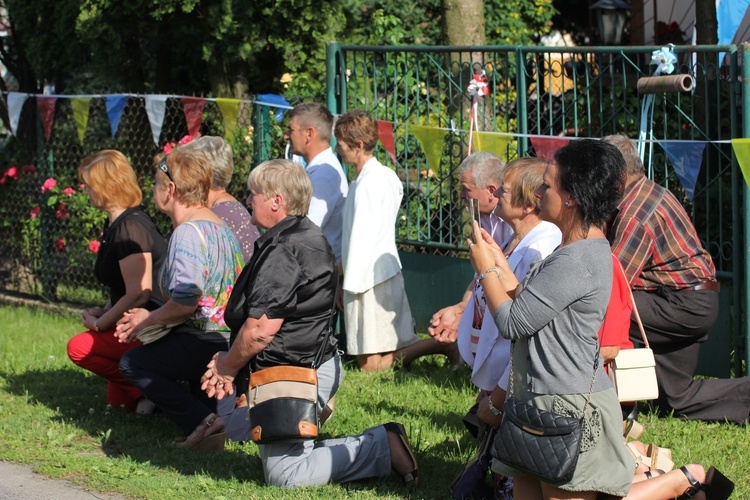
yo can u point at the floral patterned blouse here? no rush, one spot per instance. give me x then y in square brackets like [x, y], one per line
[203, 261]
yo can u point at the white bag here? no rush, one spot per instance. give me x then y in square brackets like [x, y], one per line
[633, 373]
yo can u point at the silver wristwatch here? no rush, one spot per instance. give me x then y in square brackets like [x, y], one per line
[495, 411]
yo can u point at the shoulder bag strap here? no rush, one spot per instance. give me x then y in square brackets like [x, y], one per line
[329, 327]
[632, 301]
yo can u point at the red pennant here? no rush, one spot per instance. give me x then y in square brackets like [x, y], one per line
[46, 105]
[193, 108]
[385, 134]
[546, 147]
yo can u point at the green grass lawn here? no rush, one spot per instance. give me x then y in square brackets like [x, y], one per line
[53, 417]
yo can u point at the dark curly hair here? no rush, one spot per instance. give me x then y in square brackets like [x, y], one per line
[593, 172]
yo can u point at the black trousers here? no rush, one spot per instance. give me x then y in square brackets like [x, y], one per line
[158, 369]
[676, 323]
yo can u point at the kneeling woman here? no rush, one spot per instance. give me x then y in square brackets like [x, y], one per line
[203, 261]
[278, 313]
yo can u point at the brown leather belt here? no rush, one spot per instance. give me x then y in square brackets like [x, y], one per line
[706, 285]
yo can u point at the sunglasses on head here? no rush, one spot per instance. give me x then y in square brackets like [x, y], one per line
[162, 165]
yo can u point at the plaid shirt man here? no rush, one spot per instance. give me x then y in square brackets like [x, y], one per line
[656, 242]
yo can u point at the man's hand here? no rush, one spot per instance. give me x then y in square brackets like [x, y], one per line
[130, 324]
[444, 323]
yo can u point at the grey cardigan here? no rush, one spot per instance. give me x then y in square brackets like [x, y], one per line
[559, 310]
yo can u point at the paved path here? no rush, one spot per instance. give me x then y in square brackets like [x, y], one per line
[18, 482]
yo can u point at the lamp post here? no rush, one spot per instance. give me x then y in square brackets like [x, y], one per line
[611, 16]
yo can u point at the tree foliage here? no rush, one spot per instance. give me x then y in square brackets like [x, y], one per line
[229, 48]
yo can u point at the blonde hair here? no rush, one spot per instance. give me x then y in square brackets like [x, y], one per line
[191, 174]
[219, 155]
[110, 175]
[283, 177]
[525, 175]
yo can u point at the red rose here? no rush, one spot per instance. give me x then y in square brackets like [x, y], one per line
[48, 185]
[94, 246]
[35, 212]
[69, 191]
[60, 245]
[3, 179]
[13, 172]
[62, 212]
[28, 169]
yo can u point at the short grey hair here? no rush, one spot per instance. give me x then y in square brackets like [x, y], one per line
[315, 115]
[219, 155]
[282, 176]
[485, 169]
[633, 163]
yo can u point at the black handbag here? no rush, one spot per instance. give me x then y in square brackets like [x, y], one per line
[283, 400]
[471, 483]
[540, 443]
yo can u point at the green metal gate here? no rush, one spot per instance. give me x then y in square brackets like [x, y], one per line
[541, 92]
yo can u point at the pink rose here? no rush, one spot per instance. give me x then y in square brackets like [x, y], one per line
[188, 138]
[48, 185]
[35, 212]
[60, 245]
[168, 147]
[3, 179]
[82, 186]
[28, 169]
[69, 191]
[94, 246]
[62, 212]
[13, 172]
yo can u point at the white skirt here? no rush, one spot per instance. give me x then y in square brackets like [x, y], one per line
[379, 319]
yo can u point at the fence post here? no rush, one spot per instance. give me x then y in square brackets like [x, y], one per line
[746, 192]
[521, 112]
[333, 78]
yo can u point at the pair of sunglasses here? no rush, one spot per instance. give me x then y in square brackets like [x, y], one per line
[162, 165]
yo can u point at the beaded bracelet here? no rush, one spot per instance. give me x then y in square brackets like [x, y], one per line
[488, 271]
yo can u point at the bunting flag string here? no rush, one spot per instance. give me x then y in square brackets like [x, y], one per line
[385, 134]
[686, 158]
[492, 142]
[115, 105]
[193, 109]
[230, 111]
[15, 105]
[46, 113]
[741, 149]
[431, 140]
[156, 108]
[81, 107]
[546, 147]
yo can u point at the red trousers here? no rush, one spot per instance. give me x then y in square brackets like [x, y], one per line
[100, 352]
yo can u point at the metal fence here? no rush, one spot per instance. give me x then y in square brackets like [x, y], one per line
[46, 230]
[552, 92]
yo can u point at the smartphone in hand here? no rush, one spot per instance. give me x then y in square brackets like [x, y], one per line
[473, 205]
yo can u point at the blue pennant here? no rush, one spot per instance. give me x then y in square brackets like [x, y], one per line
[686, 158]
[115, 105]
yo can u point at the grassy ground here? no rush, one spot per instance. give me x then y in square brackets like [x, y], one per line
[53, 417]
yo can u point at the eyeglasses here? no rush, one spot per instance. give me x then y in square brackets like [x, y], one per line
[162, 165]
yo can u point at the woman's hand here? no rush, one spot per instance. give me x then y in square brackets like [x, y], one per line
[217, 381]
[89, 320]
[485, 415]
[481, 254]
[130, 324]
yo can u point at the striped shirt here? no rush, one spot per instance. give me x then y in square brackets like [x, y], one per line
[656, 242]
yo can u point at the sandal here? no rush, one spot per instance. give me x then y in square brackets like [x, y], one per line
[656, 458]
[411, 479]
[650, 474]
[207, 437]
[631, 429]
[717, 485]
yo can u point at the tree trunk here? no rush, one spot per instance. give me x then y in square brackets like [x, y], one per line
[705, 22]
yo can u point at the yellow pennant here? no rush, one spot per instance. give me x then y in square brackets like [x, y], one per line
[81, 114]
[742, 152]
[431, 139]
[230, 110]
[491, 142]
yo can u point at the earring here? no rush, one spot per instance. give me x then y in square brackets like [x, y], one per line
[568, 204]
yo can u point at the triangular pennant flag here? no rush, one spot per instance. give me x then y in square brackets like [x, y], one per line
[546, 147]
[491, 142]
[686, 158]
[741, 149]
[275, 101]
[431, 139]
[15, 105]
[156, 107]
[80, 107]
[385, 134]
[46, 105]
[230, 110]
[193, 108]
[115, 105]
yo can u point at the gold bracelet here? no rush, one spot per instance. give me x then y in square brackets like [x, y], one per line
[495, 411]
